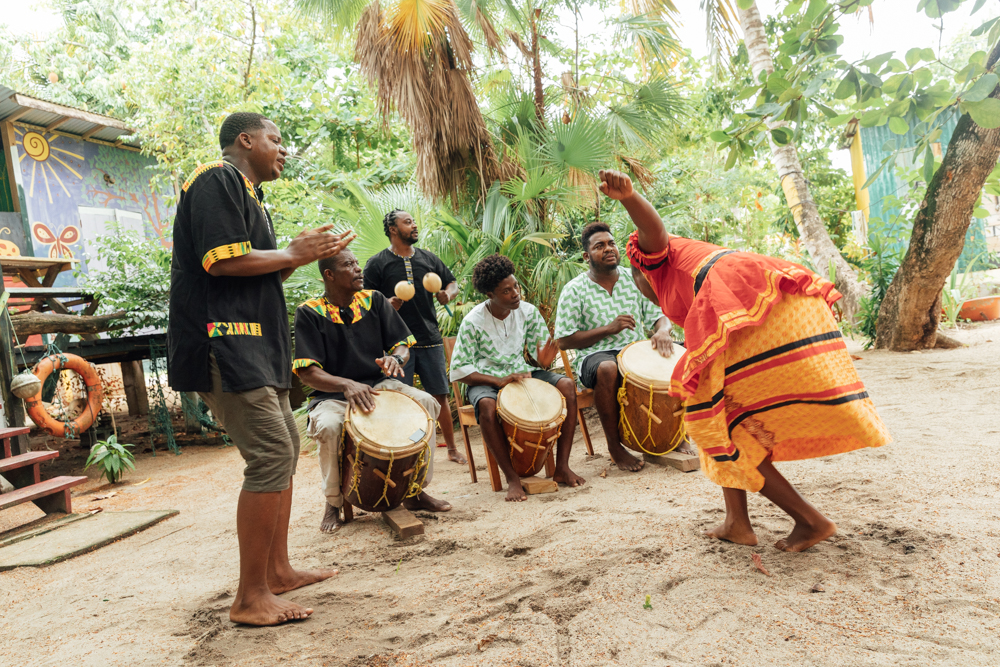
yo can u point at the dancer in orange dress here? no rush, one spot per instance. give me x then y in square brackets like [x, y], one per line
[766, 376]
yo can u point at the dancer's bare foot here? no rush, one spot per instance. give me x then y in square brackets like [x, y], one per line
[267, 609]
[566, 476]
[289, 581]
[515, 493]
[426, 502]
[804, 536]
[734, 532]
[331, 520]
[624, 460]
[455, 456]
[687, 448]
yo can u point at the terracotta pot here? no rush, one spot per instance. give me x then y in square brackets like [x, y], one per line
[981, 309]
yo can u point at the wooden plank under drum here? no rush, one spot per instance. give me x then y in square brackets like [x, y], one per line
[535, 485]
[683, 462]
[403, 523]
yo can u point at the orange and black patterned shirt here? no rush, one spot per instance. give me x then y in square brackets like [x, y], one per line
[242, 320]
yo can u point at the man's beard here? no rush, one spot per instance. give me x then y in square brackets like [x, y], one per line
[602, 267]
[408, 240]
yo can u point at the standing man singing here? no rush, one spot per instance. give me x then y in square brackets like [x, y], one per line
[228, 340]
[599, 313]
[403, 261]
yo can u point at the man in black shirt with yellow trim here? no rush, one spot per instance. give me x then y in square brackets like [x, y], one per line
[402, 260]
[228, 340]
[349, 344]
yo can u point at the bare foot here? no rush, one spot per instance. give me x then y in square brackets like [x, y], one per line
[688, 448]
[568, 477]
[804, 536]
[455, 456]
[426, 502]
[515, 493]
[331, 520]
[736, 533]
[624, 460]
[297, 579]
[267, 609]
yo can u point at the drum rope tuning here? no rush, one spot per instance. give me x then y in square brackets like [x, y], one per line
[625, 425]
[512, 439]
[414, 489]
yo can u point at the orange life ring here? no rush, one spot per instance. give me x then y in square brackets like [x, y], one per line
[43, 419]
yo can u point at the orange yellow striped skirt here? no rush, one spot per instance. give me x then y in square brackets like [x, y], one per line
[787, 389]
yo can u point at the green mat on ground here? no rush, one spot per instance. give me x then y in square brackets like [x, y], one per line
[77, 537]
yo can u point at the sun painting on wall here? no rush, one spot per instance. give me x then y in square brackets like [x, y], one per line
[43, 150]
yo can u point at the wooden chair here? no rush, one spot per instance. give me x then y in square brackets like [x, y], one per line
[467, 418]
[584, 399]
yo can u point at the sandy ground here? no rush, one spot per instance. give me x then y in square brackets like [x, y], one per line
[912, 578]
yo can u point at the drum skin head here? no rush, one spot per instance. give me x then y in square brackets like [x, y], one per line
[640, 361]
[531, 401]
[398, 424]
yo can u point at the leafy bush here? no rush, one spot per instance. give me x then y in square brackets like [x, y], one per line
[112, 458]
[881, 266]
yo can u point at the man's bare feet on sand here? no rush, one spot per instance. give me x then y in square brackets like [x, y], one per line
[515, 492]
[267, 609]
[568, 477]
[289, 581]
[804, 536]
[624, 460]
[455, 456]
[687, 448]
[426, 502]
[331, 520]
[734, 532]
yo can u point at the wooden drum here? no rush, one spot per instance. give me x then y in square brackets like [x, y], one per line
[531, 412]
[651, 421]
[385, 452]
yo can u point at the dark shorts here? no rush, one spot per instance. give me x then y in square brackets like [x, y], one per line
[429, 364]
[478, 393]
[588, 369]
[261, 425]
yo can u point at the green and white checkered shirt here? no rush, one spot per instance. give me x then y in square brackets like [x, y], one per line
[585, 305]
[496, 347]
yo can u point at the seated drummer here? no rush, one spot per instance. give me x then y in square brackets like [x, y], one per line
[599, 313]
[341, 340]
[490, 354]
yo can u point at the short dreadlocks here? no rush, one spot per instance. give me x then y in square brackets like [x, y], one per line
[389, 220]
[238, 123]
[490, 272]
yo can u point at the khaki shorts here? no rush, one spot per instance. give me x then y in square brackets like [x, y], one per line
[261, 425]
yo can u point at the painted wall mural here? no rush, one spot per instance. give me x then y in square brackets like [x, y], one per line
[60, 175]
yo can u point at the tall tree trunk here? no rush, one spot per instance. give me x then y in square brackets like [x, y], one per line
[536, 69]
[786, 159]
[911, 310]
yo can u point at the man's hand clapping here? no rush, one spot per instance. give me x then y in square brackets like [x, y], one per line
[314, 244]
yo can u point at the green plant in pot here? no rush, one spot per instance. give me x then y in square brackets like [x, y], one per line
[112, 458]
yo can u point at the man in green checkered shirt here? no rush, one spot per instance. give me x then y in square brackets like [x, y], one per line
[599, 313]
[490, 354]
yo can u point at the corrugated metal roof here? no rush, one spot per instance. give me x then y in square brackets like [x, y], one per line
[62, 119]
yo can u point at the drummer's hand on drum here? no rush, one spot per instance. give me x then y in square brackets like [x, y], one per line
[513, 377]
[546, 353]
[360, 396]
[621, 323]
[390, 366]
[662, 343]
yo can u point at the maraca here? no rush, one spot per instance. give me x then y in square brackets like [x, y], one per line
[432, 283]
[405, 290]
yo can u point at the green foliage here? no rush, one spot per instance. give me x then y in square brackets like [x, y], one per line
[881, 266]
[111, 458]
[137, 279]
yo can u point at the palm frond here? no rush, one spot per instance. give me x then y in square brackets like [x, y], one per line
[722, 30]
[341, 15]
[654, 39]
[583, 145]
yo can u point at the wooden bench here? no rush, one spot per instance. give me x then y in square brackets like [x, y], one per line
[23, 472]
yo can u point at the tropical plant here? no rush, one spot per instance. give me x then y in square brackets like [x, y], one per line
[112, 458]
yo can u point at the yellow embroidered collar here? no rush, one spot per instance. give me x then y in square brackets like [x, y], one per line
[361, 301]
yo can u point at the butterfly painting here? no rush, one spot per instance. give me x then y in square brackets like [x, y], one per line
[60, 244]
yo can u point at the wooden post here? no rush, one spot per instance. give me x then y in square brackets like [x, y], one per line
[134, 383]
[13, 408]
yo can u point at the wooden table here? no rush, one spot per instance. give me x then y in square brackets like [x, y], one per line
[38, 274]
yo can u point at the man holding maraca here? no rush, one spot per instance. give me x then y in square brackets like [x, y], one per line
[411, 278]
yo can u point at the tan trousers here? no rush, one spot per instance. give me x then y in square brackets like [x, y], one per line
[326, 421]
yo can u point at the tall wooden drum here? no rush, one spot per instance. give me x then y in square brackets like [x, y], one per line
[386, 452]
[532, 413]
[651, 421]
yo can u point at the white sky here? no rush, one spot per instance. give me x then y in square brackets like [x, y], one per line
[898, 27]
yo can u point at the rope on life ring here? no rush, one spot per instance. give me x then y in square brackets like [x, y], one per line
[37, 412]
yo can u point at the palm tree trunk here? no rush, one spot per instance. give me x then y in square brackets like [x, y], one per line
[811, 228]
[911, 310]
[536, 69]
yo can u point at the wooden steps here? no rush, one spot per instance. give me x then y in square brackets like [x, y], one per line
[51, 495]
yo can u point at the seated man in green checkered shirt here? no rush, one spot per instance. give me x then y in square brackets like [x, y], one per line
[490, 354]
[599, 313]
